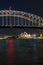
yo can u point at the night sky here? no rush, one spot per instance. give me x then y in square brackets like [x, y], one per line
[32, 6]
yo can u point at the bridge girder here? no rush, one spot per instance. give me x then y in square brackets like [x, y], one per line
[24, 15]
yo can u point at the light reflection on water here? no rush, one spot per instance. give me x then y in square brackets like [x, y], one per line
[19, 52]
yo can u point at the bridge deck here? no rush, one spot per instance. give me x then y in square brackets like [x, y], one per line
[34, 27]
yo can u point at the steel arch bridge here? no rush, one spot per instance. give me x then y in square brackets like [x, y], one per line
[18, 18]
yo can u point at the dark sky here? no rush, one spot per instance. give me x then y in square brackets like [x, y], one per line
[32, 6]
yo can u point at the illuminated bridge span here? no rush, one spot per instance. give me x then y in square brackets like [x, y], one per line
[19, 18]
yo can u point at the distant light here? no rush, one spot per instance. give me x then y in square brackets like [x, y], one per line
[29, 35]
[40, 35]
[25, 35]
[34, 35]
[42, 24]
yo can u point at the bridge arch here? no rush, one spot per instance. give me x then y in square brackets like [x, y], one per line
[24, 16]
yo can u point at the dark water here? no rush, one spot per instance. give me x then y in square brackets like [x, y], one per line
[21, 52]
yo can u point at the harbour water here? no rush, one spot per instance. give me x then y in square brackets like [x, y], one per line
[21, 52]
